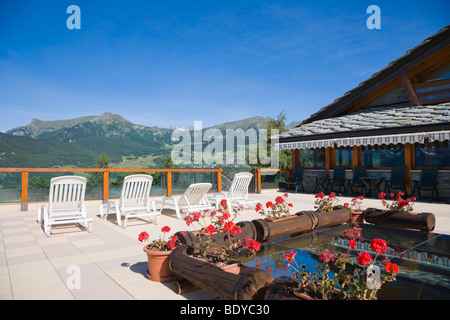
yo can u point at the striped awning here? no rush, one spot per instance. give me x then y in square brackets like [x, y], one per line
[367, 140]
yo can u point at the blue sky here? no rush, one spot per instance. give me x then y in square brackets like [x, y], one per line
[169, 63]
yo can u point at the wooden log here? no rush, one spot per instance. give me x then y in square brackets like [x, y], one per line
[249, 284]
[281, 289]
[301, 222]
[421, 221]
[182, 286]
[220, 239]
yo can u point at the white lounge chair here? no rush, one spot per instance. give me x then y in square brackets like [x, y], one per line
[238, 192]
[134, 200]
[65, 203]
[193, 199]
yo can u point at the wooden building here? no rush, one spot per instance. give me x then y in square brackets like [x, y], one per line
[398, 117]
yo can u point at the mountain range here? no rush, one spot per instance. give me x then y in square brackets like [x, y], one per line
[78, 142]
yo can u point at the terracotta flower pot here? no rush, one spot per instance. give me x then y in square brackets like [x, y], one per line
[357, 216]
[158, 266]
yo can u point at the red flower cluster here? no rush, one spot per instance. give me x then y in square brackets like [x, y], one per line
[193, 217]
[290, 256]
[143, 236]
[398, 203]
[391, 267]
[364, 258]
[160, 244]
[210, 229]
[251, 244]
[378, 245]
[278, 209]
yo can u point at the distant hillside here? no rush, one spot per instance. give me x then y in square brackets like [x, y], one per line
[253, 122]
[78, 142]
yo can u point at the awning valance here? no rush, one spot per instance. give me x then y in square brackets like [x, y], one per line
[367, 140]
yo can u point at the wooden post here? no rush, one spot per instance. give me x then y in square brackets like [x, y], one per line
[105, 186]
[329, 159]
[24, 192]
[169, 183]
[258, 180]
[409, 165]
[357, 155]
[219, 181]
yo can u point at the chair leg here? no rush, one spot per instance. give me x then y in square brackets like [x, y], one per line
[119, 222]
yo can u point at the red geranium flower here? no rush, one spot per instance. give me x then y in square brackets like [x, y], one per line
[210, 229]
[391, 267]
[165, 229]
[378, 245]
[326, 257]
[364, 258]
[143, 236]
[290, 256]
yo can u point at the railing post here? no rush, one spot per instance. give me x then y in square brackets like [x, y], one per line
[219, 181]
[258, 180]
[169, 183]
[105, 186]
[24, 192]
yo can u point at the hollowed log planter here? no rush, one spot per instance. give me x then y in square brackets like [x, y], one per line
[249, 284]
[301, 222]
[421, 221]
[189, 238]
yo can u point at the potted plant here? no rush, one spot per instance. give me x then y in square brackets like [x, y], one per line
[218, 238]
[355, 207]
[339, 277]
[398, 204]
[278, 210]
[324, 203]
[158, 252]
[400, 213]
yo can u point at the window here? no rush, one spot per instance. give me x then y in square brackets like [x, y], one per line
[311, 158]
[343, 157]
[432, 154]
[382, 156]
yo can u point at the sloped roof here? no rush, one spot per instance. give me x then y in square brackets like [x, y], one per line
[376, 120]
[394, 69]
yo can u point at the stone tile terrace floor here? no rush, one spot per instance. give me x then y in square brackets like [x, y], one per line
[110, 259]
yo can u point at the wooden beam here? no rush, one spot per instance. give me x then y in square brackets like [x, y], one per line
[24, 192]
[409, 165]
[412, 96]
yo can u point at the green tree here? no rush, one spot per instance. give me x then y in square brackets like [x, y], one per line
[168, 162]
[284, 156]
[38, 182]
[95, 179]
